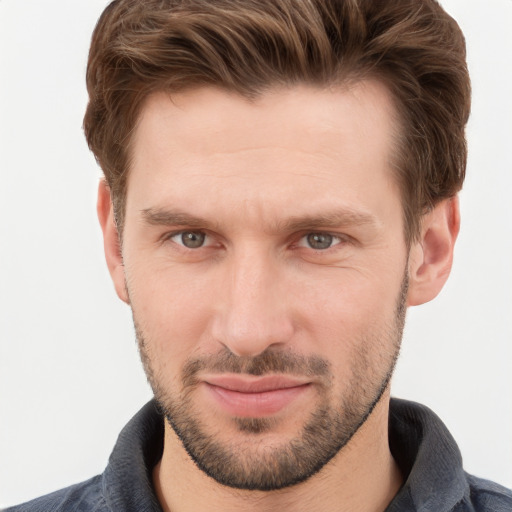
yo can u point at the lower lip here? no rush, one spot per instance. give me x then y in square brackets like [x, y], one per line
[255, 405]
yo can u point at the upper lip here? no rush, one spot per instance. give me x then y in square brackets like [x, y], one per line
[250, 384]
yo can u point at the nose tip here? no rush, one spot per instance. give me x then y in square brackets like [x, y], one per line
[244, 337]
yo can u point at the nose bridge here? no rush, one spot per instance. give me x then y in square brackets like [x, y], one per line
[253, 312]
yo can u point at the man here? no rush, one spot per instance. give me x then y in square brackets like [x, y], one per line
[281, 183]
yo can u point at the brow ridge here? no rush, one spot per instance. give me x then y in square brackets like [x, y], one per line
[333, 219]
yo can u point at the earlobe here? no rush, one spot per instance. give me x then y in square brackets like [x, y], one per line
[431, 257]
[111, 242]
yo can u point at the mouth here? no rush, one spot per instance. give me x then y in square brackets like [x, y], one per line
[254, 397]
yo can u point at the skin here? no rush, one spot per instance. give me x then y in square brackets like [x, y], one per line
[257, 178]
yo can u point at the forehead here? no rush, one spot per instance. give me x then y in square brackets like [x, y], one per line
[275, 151]
[295, 113]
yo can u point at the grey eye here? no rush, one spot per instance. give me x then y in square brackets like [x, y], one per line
[191, 239]
[319, 241]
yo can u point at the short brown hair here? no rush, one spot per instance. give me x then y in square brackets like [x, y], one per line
[248, 46]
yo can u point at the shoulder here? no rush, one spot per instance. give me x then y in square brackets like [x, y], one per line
[487, 496]
[83, 497]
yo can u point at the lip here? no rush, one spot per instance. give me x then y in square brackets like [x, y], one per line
[254, 396]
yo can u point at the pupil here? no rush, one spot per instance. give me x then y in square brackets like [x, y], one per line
[192, 240]
[319, 240]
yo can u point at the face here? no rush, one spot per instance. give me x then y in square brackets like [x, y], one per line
[265, 264]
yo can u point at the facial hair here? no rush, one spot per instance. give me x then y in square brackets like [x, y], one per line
[329, 427]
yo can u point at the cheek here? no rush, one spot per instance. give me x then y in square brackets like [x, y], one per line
[347, 299]
[351, 321]
[332, 309]
[172, 309]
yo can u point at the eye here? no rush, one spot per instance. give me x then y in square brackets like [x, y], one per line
[319, 241]
[190, 239]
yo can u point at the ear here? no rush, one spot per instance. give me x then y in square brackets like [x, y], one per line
[111, 243]
[431, 257]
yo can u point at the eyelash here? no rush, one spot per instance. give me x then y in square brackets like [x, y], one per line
[336, 239]
[170, 236]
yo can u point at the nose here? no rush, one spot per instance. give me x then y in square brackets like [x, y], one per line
[253, 311]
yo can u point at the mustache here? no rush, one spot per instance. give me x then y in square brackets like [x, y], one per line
[262, 364]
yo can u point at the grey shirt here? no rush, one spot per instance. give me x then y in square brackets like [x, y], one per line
[420, 443]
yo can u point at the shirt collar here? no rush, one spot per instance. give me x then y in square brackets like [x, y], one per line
[127, 481]
[428, 457]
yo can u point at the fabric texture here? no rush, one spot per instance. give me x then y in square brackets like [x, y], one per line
[419, 441]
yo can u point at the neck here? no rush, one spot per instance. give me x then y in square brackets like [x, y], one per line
[363, 476]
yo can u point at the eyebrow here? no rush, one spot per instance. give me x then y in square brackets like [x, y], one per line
[332, 219]
[162, 217]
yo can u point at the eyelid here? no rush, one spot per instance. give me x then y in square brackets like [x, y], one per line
[338, 239]
[172, 234]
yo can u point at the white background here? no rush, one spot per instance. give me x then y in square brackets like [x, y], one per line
[69, 369]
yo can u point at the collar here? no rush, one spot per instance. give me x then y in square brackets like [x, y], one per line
[429, 458]
[127, 480]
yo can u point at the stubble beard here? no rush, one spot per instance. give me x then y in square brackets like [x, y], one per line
[252, 465]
